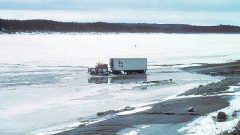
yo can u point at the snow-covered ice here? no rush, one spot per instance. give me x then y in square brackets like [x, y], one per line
[43, 77]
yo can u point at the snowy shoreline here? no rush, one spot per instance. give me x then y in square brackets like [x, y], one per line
[174, 111]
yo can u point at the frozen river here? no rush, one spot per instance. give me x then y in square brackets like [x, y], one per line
[44, 84]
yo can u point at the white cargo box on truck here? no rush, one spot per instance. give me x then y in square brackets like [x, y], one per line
[128, 64]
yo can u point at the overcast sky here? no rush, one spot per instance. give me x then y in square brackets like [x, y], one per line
[165, 5]
[182, 11]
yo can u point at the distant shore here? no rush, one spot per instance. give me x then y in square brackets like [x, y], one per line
[49, 26]
[174, 111]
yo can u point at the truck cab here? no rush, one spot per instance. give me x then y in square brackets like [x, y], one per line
[100, 69]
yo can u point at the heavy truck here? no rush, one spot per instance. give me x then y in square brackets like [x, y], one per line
[120, 66]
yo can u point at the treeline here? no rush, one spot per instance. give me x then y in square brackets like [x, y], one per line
[29, 26]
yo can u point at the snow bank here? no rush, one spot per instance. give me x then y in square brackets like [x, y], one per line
[208, 125]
